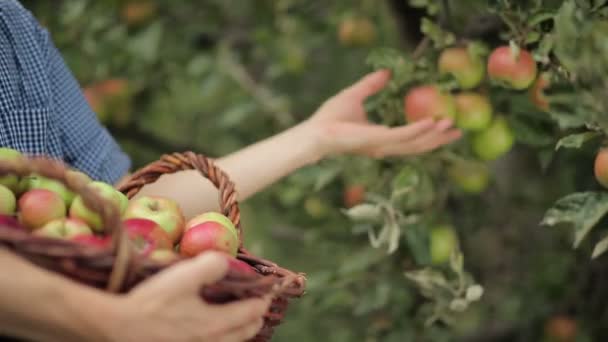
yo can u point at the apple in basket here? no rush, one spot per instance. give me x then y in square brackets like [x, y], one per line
[80, 211]
[164, 211]
[147, 235]
[210, 235]
[163, 255]
[8, 202]
[37, 207]
[64, 228]
[10, 181]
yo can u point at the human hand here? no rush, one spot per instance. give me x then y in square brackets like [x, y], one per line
[168, 307]
[341, 126]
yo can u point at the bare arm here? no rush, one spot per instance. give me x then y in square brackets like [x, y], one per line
[339, 126]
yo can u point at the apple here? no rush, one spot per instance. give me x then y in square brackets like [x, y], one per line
[123, 201]
[164, 211]
[40, 206]
[473, 111]
[73, 174]
[138, 12]
[11, 222]
[536, 92]
[511, 68]
[80, 211]
[561, 328]
[163, 255]
[316, 207]
[95, 241]
[466, 68]
[39, 182]
[428, 101]
[353, 195]
[600, 167]
[240, 269]
[356, 32]
[494, 141]
[8, 202]
[145, 228]
[214, 217]
[470, 177]
[64, 228]
[443, 241]
[206, 236]
[10, 181]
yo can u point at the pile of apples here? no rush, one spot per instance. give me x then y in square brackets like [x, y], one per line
[155, 225]
[507, 67]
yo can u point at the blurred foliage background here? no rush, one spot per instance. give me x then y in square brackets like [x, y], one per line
[214, 76]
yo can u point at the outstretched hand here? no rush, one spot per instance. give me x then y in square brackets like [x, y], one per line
[343, 127]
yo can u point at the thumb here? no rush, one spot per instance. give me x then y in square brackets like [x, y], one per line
[370, 84]
[191, 274]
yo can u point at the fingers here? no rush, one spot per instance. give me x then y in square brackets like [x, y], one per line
[237, 314]
[190, 275]
[369, 84]
[244, 333]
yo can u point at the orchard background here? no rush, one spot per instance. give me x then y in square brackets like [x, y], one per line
[516, 199]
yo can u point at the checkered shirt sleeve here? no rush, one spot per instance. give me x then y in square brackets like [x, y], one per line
[42, 108]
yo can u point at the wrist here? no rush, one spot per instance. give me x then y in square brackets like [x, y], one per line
[308, 135]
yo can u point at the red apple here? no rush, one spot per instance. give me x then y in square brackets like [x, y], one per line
[40, 206]
[80, 211]
[474, 111]
[240, 268]
[600, 167]
[353, 195]
[138, 12]
[40, 182]
[356, 32]
[428, 101]
[511, 68]
[10, 221]
[164, 211]
[64, 228]
[8, 202]
[95, 241]
[144, 228]
[536, 92]
[214, 217]
[467, 69]
[208, 236]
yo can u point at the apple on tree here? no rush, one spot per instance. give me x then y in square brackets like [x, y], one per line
[470, 177]
[512, 67]
[64, 228]
[353, 195]
[8, 202]
[494, 141]
[356, 31]
[428, 101]
[40, 206]
[443, 242]
[537, 95]
[164, 211]
[467, 68]
[600, 167]
[473, 111]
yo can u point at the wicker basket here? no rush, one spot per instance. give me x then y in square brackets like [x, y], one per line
[118, 268]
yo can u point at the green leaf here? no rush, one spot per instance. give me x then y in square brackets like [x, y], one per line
[576, 140]
[439, 37]
[360, 261]
[539, 18]
[364, 212]
[146, 45]
[417, 243]
[583, 210]
[533, 37]
[326, 176]
[600, 248]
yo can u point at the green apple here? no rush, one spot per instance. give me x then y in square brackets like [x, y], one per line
[80, 211]
[470, 177]
[8, 202]
[474, 111]
[64, 228]
[464, 66]
[494, 141]
[164, 211]
[124, 201]
[213, 217]
[10, 181]
[444, 241]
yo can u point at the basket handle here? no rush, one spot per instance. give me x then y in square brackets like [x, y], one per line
[108, 211]
[175, 162]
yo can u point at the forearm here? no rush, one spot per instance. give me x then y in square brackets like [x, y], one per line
[42, 306]
[251, 169]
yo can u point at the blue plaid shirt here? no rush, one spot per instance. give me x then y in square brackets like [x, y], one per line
[42, 108]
